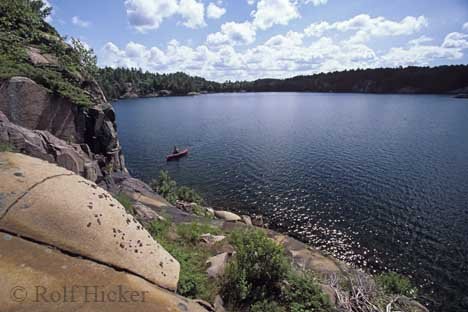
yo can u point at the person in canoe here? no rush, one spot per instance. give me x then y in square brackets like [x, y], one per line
[176, 153]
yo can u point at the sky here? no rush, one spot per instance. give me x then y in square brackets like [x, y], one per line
[250, 39]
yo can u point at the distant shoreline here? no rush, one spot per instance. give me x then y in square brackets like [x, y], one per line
[451, 94]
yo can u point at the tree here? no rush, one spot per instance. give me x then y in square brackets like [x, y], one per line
[85, 57]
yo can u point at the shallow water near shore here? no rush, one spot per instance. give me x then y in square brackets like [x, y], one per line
[379, 181]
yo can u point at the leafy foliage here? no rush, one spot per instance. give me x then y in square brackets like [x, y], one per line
[394, 283]
[303, 294]
[86, 58]
[181, 242]
[116, 82]
[257, 270]
[260, 278]
[265, 305]
[168, 188]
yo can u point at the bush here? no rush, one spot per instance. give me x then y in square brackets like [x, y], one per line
[304, 294]
[257, 270]
[191, 232]
[397, 284]
[159, 229]
[126, 202]
[6, 147]
[189, 195]
[168, 189]
[193, 280]
[266, 306]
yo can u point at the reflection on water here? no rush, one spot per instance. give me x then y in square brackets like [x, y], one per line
[380, 181]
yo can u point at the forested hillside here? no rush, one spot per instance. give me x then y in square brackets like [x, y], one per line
[123, 82]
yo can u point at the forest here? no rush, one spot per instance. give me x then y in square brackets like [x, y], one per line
[119, 82]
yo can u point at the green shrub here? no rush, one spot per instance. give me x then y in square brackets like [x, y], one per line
[193, 280]
[266, 306]
[168, 189]
[257, 270]
[159, 229]
[394, 283]
[126, 202]
[6, 147]
[189, 195]
[304, 294]
[191, 232]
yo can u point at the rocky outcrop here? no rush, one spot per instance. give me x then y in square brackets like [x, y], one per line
[38, 278]
[30, 105]
[37, 58]
[55, 207]
[43, 145]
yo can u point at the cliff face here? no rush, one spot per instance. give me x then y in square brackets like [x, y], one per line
[30, 105]
[48, 85]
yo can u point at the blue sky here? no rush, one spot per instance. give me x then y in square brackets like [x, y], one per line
[249, 39]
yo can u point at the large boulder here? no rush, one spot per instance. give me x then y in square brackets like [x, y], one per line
[227, 216]
[217, 264]
[54, 206]
[38, 278]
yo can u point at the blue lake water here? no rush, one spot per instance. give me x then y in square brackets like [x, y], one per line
[380, 181]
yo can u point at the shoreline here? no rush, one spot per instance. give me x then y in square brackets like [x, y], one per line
[451, 94]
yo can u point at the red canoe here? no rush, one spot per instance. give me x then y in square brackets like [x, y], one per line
[178, 155]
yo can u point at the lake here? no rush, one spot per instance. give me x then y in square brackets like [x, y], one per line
[380, 181]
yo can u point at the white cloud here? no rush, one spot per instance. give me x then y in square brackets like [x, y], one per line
[465, 26]
[233, 33]
[79, 22]
[317, 29]
[147, 15]
[228, 54]
[271, 12]
[420, 40]
[193, 12]
[250, 2]
[420, 54]
[316, 2]
[366, 27]
[456, 40]
[214, 11]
